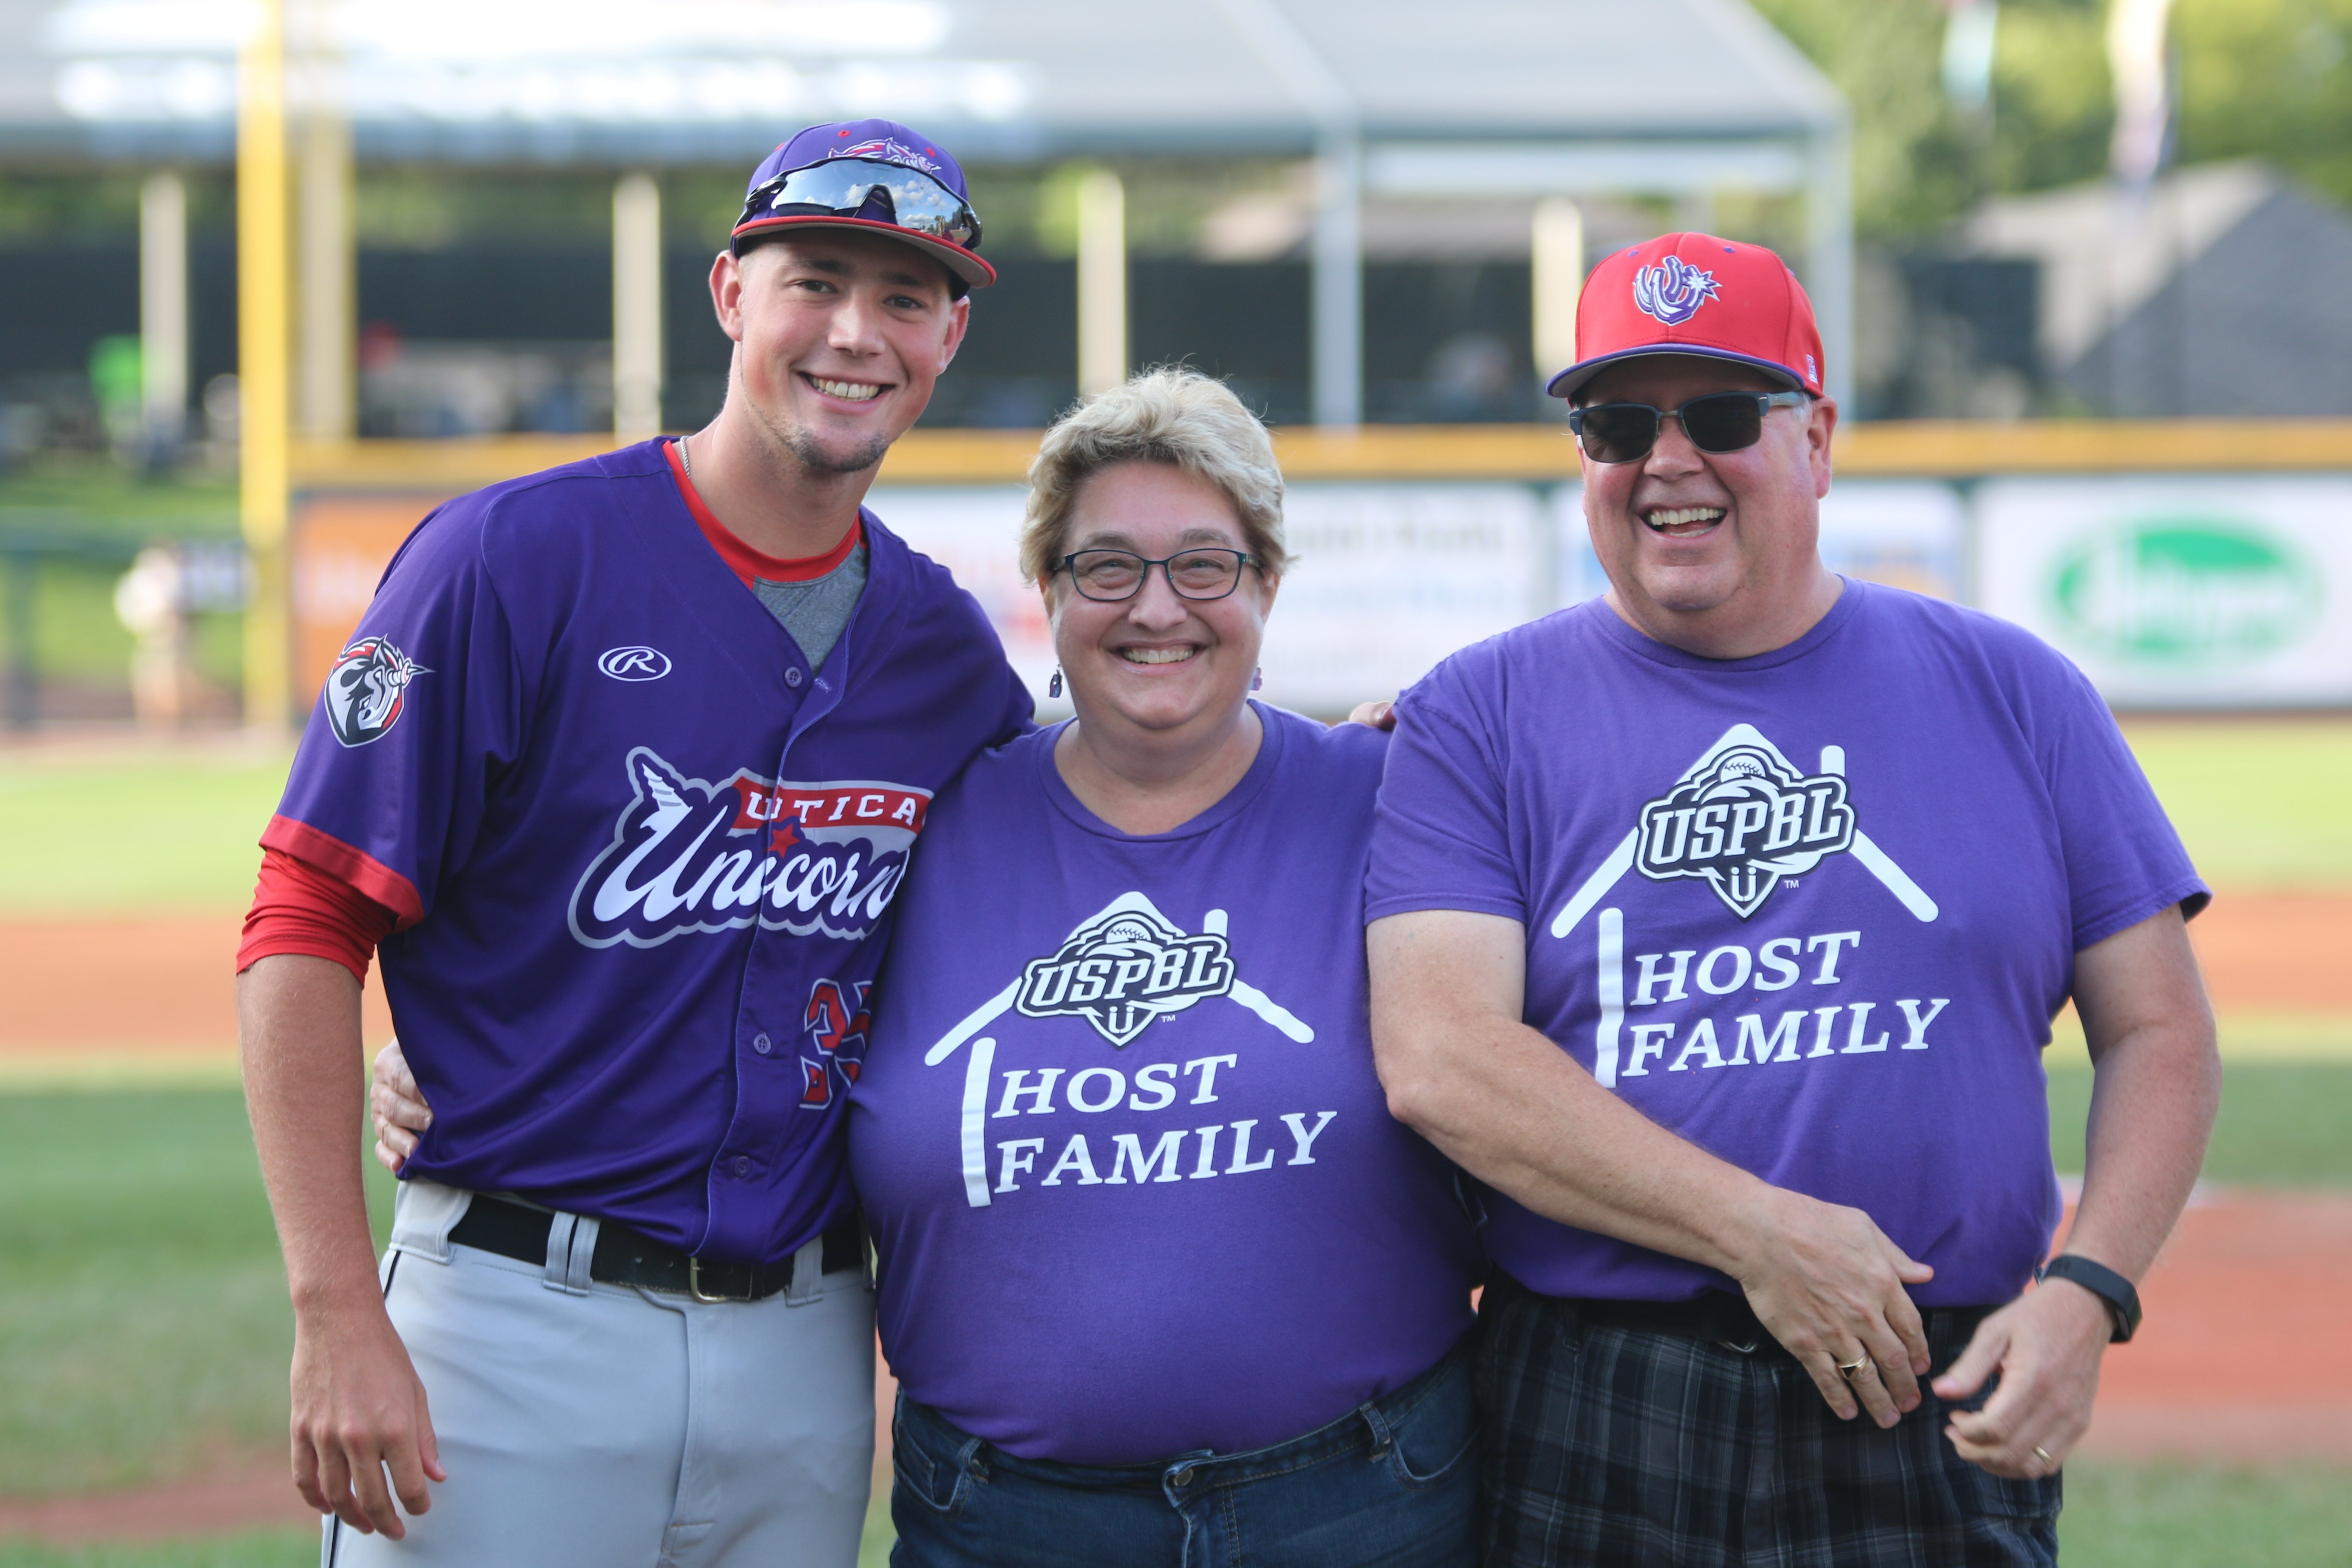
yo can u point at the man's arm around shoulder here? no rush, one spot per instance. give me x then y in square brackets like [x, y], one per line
[1514, 1110]
[358, 1406]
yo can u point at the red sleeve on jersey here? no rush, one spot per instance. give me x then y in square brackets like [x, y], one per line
[741, 559]
[355, 867]
[300, 909]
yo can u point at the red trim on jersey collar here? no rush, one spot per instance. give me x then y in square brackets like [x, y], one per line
[741, 559]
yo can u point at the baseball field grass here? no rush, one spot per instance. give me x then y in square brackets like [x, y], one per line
[143, 1329]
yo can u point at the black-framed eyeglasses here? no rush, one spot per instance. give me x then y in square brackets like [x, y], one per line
[1111, 576]
[874, 190]
[1720, 422]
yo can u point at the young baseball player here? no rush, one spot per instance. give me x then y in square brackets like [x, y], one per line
[621, 770]
[1718, 925]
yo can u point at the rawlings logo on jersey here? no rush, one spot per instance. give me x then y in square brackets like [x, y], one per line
[689, 855]
[1743, 818]
[1673, 291]
[367, 690]
[1123, 968]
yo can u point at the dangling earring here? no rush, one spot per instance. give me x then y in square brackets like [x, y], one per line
[1053, 686]
[1257, 679]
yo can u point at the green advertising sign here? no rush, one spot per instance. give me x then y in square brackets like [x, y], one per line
[2186, 590]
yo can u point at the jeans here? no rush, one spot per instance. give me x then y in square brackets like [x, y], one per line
[1392, 1483]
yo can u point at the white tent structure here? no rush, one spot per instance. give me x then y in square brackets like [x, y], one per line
[1502, 99]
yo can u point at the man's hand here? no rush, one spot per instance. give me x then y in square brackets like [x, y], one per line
[2047, 1347]
[1828, 1284]
[397, 1107]
[1374, 715]
[358, 1406]
[1520, 1114]
[359, 1411]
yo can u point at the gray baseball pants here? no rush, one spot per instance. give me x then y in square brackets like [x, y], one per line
[586, 1425]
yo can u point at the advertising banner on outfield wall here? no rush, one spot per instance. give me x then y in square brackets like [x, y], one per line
[2194, 591]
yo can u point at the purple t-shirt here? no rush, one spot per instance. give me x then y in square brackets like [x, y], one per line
[1813, 910]
[1133, 1179]
[644, 852]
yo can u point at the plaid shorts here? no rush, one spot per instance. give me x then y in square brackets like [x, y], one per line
[1608, 1445]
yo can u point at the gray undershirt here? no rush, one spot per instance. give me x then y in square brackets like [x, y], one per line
[816, 612]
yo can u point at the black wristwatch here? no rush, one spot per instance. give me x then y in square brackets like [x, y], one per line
[2122, 1302]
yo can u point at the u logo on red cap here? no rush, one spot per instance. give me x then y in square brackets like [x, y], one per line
[1673, 291]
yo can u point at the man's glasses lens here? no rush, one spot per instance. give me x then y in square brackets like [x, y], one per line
[1115, 575]
[1722, 422]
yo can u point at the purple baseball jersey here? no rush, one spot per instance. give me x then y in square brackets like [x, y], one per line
[643, 856]
[1811, 911]
[1133, 1183]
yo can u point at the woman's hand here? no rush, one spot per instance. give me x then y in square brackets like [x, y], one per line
[397, 1107]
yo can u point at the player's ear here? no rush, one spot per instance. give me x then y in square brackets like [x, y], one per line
[959, 323]
[727, 293]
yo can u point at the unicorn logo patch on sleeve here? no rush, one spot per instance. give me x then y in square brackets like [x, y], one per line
[367, 691]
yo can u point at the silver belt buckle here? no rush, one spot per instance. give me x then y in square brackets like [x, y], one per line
[694, 1284]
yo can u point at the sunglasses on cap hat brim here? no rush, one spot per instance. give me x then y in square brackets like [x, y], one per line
[865, 194]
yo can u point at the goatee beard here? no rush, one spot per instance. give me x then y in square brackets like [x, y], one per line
[813, 456]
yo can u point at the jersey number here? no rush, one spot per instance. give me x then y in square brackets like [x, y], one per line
[836, 1025]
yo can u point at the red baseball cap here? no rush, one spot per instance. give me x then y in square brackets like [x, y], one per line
[1696, 294]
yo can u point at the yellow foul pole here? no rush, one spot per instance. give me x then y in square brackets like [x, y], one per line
[263, 311]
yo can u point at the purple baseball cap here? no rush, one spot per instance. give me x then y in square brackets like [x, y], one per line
[875, 175]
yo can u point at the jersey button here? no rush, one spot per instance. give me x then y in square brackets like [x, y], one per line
[762, 1043]
[741, 1165]
[793, 678]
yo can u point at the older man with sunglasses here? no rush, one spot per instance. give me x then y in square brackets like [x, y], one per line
[1718, 926]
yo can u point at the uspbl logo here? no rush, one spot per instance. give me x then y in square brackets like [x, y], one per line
[1123, 968]
[1743, 821]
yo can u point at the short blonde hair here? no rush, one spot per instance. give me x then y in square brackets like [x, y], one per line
[1168, 414]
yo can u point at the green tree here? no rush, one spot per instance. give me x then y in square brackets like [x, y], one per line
[2267, 79]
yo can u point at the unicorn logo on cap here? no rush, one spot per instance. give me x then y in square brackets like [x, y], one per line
[1673, 291]
[888, 150]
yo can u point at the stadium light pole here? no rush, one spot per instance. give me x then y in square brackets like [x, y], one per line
[1557, 254]
[1102, 281]
[637, 309]
[163, 312]
[326, 288]
[262, 333]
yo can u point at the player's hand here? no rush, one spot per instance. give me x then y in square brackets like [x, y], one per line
[360, 1412]
[1376, 715]
[1828, 1285]
[397, 1107]
[2046, 1346]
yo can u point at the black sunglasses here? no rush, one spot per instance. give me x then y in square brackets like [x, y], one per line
[1114, 576]
[1720, 422]
[874, 190]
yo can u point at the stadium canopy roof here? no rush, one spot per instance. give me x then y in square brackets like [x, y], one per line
[635, 81]
[1481, 98]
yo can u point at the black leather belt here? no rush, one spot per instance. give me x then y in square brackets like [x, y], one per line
[1729, 1320]
[625, 1257]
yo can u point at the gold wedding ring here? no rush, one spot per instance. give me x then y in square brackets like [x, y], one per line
[2042, 1454]
[1850, 1370]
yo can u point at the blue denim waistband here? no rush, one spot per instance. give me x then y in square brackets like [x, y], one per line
[1365, 1431]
